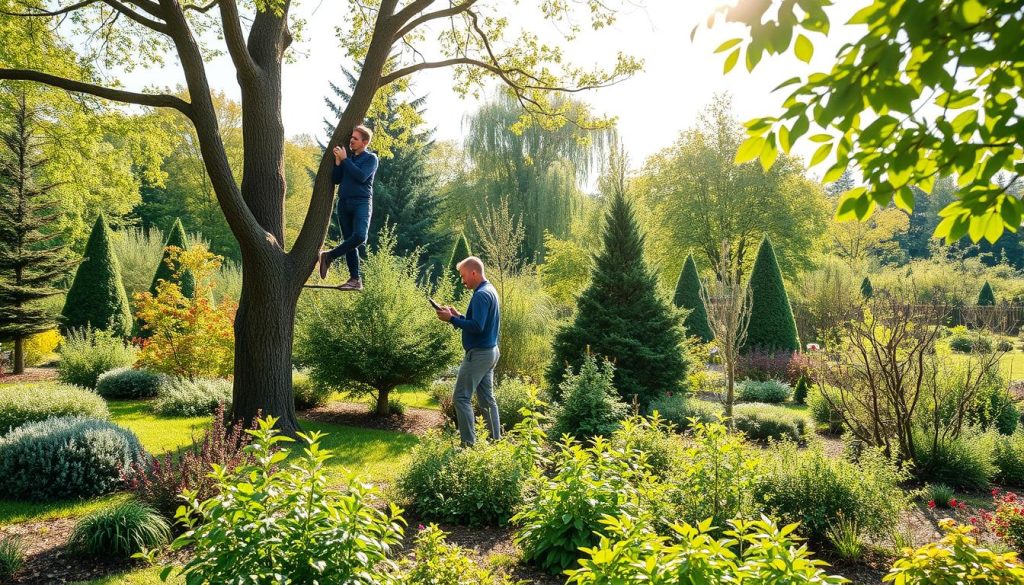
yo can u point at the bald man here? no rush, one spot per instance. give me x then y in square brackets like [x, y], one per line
[479, 329]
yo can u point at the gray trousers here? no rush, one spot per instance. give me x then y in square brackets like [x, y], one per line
[476, 374]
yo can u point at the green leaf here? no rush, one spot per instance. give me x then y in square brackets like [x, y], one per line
[834, 173]
[849, 202]
[730, 61]
[804, 48]
[727, 45]
[784, 139]
[768, 155]
[821, 154]
[973, 11]
[749, 150]
[821, 138]
[905, 199]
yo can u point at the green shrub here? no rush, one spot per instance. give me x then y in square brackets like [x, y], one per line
[813, 489]
[120, 531]
[761, 422]
[672, 408]
[1009, 459]
[435, 562]
[800, 391]
[87, 353]
[964, 341]
[652, 439]
[97, 298]
[772, 327]
[939, 494]
[25, 403]
[127, 383]
[995, 407]
[822, 411]
[12, 556]
[308, 394]
[478, 485]
[769, 391]
[966, 462]
[65, 457]
[563, 511]
[986, 298]
[714, 476]
[687, 296]
[768, 554]
[956, 558]
[182, 397]
[442, 391]
[590, 404]
[268, 520]
[845, 537]
[512, 395]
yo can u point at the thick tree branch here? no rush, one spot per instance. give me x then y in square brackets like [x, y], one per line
[423, 18]
[117, 95]
[158, 26]
[413, 8]
[145, 21]
[204, 8]
[58, 12]
[235, 38]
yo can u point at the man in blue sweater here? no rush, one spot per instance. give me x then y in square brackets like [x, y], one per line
[479, 328]
[353, 173]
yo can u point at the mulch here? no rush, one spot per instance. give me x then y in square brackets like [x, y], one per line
[415, 420]
[48, 559]
[30, 375]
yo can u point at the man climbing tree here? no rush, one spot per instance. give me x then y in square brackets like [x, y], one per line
[389, 41]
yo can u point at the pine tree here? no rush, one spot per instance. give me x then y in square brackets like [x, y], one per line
[405, 194]
[29, 260]
[96, 297]
[688, 297]
[166, 271]
[986, 297]
[459, 253]
[772, 327]
[620, 317]
[866, 290]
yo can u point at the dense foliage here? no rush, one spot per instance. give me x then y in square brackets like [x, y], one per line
[772, 327]
[31, 402]
[97, 298]
[87, 353]
[129, 383]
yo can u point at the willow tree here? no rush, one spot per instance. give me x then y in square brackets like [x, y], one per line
[539, 171]
[390, 41]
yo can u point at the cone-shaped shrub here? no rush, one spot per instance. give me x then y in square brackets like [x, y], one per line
[621, 317]
[167, 267]
[688, 297]
[866, 290]
[986, 297]
[97, 296]
[772, 327]
[459, 253]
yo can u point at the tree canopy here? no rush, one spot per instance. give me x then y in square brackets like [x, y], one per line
[931, 88]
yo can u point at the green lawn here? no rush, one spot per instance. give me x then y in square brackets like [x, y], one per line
[147, 576]
[412, 396]
[374, 455]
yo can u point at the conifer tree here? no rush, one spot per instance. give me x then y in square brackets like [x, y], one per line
[167, 270]
[772, 327]
[96, 297]
[621, 317]
[688, 297]
[460, 252]
[866, 290]
[30, 262]
[986, 297]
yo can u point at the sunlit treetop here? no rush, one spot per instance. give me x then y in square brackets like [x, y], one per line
[931, 88]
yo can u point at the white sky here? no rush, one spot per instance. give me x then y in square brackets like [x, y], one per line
[680, 77]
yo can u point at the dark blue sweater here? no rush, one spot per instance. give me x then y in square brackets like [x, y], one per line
[354, 176]
[482, 321]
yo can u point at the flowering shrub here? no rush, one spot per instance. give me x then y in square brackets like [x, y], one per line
[1007, 521]
[955, 559]
[188, 337]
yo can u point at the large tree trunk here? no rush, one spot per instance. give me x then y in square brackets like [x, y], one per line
[264, 331]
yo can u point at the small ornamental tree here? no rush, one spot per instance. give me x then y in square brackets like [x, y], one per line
[866, 290]
[372, 342]
[459, 253]
[621, 316]
[772, 327]
[590, 405]
[986, 298]
[187, 337]
[688, 297]
[96, 297]
[169, 269]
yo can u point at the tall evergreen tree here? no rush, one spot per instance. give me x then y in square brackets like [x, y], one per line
[30, 262]
[96, 297]
[986, 297]
[621, 317]
[165, 271]
[405, 194]
[772, 327]
[688, 297]
[866, 290]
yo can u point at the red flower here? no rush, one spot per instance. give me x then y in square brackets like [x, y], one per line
[931, 503]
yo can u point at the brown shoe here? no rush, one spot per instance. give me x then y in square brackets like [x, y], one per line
[324, 264]
[352, 284]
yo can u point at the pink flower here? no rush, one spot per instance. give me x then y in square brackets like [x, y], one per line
[421, 527]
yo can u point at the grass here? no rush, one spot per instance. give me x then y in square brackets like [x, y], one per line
[157, 434]
[147, 576]
[411, 396]
[374, 455]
